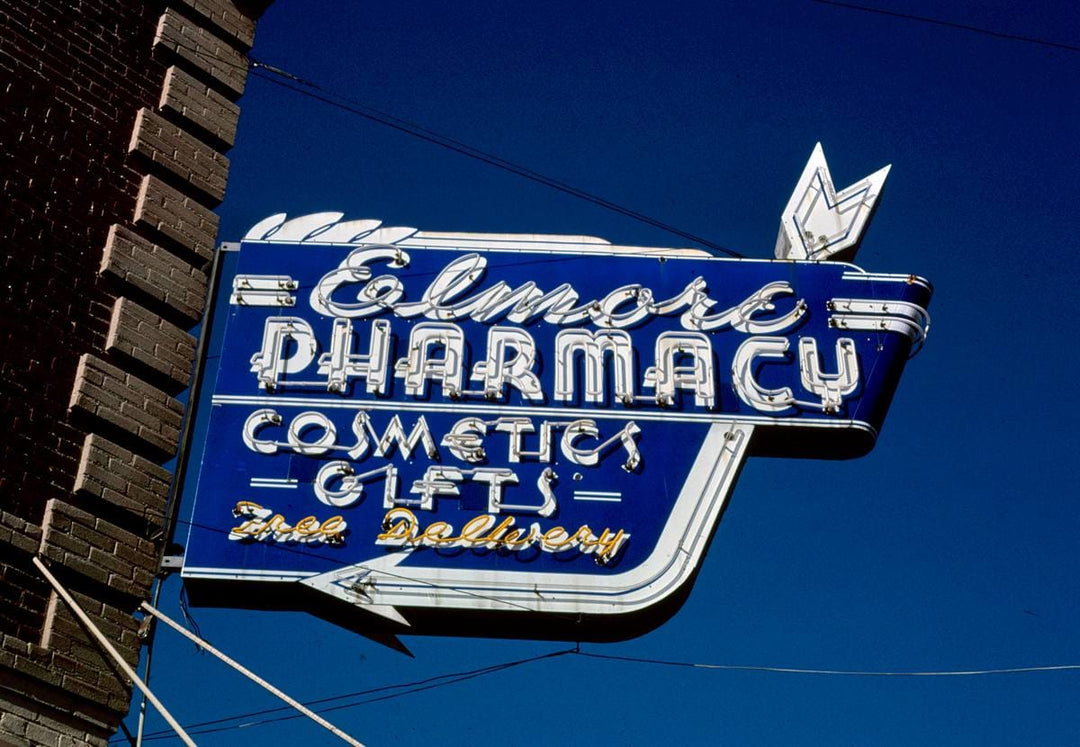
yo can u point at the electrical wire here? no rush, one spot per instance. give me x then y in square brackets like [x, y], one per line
[305, 87]
[382, 693]
[345, 104]
[840, 672]
[949, 24]
[412, 690]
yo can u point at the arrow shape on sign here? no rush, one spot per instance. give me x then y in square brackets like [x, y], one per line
[820, 223]
[386, 583]
[356, 584]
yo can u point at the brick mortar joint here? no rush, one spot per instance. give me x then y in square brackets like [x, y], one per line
[238, 26]
[192, 48]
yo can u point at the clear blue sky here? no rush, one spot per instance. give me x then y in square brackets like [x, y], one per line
[952, 546]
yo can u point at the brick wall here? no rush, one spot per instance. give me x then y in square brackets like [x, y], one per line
[114, 119]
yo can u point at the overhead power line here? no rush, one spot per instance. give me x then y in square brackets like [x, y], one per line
[317, 92]
[950, 24]
[729, 667]
[365, 697]
[386, 692]
[840, 672]
[314, 91]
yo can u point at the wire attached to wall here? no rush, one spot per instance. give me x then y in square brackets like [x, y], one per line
[390, 692]
[316, 92]
[368, 696]
[310, 89]
[386, 692]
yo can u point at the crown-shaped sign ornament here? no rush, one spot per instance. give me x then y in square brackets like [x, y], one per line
[450, 430]
[820, 223]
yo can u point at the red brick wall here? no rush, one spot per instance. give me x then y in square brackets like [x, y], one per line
[114, 119]
[72, 85]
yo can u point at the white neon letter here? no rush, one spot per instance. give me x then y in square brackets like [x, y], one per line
[667, 375]
[746, 385]
[497, 370]
[515, 427]
[594, 345]
[437, 480]
[591, 457]
[376, 296]
[466, 440]
[831, 388]
[256, 422]
[418, 367]
[395, 433]
[739, 317]
[495, 479]
[271, 363]
[454, 279]
[341, 364]
[306, 421]
[351, 485]
[606, 313]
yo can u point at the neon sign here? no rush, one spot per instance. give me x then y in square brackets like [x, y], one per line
[472, 423]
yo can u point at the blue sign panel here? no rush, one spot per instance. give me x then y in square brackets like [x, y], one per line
[408, 420]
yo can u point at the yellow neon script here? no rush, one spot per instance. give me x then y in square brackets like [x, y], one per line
[401, 527]
[263, 524]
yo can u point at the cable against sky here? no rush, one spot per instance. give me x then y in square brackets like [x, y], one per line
[949, 24]
[310, 89]
[293, 83]
[381, 693]
[384, 693]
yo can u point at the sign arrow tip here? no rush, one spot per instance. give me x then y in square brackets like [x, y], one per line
[356, 584]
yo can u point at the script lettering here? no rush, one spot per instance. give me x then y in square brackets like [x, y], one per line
[402, 528]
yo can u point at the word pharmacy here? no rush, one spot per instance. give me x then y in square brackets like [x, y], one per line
[683, 359]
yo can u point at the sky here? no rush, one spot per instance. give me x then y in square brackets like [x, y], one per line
[952, 546]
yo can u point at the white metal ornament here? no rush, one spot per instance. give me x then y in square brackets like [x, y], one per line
[820, 223]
